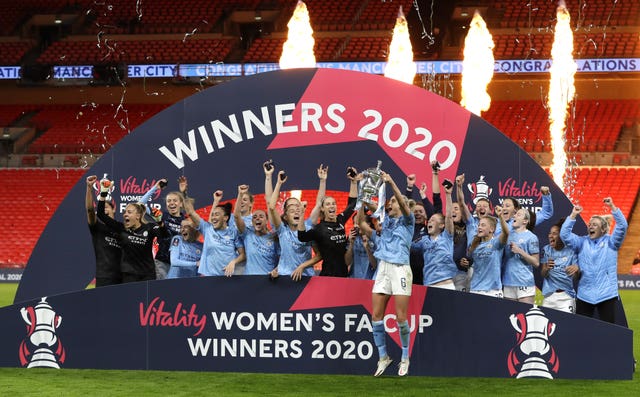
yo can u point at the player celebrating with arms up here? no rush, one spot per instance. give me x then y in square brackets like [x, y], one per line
[393, 277]
[598, 261]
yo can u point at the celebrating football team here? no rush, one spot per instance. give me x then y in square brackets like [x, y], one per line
[488, 248]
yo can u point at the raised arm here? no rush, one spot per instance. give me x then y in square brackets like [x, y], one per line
[88, 200]
[322, 190]
[411, 182]
[273, 200]
[410, 193]
[504, 235]
[217, 197]
[547, 206]
[466, 214]
[268, 169]
[188, 208]
[105, 184]
[620, 230]
[183, 185]
[147, 196]
[354, 177]
[435, 185]
[448, 218]
[242, 190]
[570, 239]
[362, 222]
[404, 207]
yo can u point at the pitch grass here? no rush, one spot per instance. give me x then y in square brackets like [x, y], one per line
[71, 382]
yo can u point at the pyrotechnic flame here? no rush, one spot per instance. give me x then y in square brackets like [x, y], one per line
[477, 66]
[297, 51]
[400, 65]
[561, 91]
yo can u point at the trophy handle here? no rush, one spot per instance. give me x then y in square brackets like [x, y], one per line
[25, 316]
[514, 322]
[552, 328]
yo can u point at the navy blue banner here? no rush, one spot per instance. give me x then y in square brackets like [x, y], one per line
[628, 281]
[301, 118]
[320, 325]
[10, 275]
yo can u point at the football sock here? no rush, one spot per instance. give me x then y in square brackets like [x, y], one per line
[405, 334]
[379, 338]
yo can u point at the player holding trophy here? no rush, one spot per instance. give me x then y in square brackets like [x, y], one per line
[393, 275]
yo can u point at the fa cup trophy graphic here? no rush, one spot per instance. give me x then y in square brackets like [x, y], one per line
[42, 322]
[534, 330]
[370, 184]
[479, 190]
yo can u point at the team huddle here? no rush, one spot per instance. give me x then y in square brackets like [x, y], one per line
[405, 240]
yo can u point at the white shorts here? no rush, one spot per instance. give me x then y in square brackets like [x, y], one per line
[560, 301]
[462, 281]
[393, 279]
[519, 292]
[496, 293]
[449, 285]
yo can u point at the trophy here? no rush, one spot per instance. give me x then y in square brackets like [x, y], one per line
[534, 343]
[42, 321]
[96, 187]
[370, 184]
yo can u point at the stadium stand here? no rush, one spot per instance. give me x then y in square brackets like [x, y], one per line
[366, 48]
[11, 52]
[122, 16]
[270, 49]
[381, 15]
[85, 128]
[596, 126]
[541, 14]
[586, 45]
[332, 15]
[28, 198]
[11, 113]
[76, 52]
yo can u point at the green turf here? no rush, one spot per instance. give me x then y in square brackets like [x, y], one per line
[68, 382]
[7, 293]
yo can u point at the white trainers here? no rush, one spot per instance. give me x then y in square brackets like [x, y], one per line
[403, 368]
[383, 363]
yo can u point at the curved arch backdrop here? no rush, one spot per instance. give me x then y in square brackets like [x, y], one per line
[299, 118]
